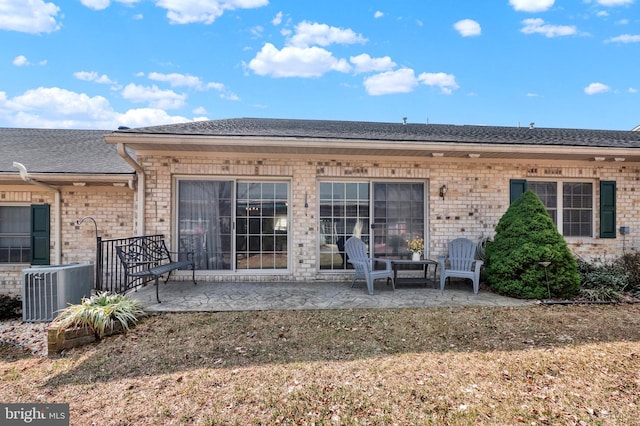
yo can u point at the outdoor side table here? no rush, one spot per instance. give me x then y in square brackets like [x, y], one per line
[424, 263]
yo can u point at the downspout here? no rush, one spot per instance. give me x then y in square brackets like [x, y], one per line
[58, 212]
[141, 187]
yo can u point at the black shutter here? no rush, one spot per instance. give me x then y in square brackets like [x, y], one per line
[40, 235]
[517, 187]
[607, 209]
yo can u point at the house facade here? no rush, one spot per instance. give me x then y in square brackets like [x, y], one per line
[50, 180]
[274, 200]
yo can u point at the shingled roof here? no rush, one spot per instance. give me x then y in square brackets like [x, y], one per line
[60, 151]
[390, 132]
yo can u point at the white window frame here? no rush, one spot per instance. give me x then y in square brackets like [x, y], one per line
[235, 180]
[366, 232]
[560, 204]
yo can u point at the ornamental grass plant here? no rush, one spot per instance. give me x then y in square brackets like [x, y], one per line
[102, 312]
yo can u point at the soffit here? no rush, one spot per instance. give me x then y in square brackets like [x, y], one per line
[177, 144]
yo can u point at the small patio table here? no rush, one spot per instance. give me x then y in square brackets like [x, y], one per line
[424, 263]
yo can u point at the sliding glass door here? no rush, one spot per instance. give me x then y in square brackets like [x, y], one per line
[393, 211]
[207, 211]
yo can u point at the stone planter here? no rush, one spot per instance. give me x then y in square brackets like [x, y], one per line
[60, 340]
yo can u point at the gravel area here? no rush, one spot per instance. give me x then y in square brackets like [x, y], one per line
[31, 336]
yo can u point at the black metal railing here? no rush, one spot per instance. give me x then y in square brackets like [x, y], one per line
[109, 270]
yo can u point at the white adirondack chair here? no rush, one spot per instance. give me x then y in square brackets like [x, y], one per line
[460, 262]
[364, 265]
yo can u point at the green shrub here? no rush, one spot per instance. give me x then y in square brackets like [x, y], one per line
[101, 312]
[526, 236]
[10, 307]
[630, 263]
[603, 282]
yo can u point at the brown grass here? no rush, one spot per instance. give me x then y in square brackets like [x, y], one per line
[557, 365]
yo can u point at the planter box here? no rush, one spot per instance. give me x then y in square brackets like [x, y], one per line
[58, 341]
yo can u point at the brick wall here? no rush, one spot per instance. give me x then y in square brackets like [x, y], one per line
[477, 197]
[111, 207]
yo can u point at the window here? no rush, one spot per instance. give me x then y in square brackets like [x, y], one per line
[570, 205]
[207, 210]
[15, 234]
[577, 216]
[396, 210]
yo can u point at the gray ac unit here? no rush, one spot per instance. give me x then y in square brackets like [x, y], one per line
[48, 289]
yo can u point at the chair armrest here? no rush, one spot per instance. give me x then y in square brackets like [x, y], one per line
[387, 262]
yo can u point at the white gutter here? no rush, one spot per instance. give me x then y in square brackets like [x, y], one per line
[140, 222]
[58, 212]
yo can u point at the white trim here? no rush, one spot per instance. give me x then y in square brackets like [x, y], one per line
[371, 181]
[234, 180]
[560, 204]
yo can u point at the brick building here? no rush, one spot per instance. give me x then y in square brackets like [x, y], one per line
[273, 200]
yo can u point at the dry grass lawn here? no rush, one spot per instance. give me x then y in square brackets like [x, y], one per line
[538, 365]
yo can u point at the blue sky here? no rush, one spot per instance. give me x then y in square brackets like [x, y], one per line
[100, 64]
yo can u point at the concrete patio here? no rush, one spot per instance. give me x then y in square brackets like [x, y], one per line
[183, 296]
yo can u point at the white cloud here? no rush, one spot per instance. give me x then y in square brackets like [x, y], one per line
[103, 4]
[404, 80]
[92, 76]
[143, 117]
[624, 38]
[595, 88]
[378, 14]
[63, 101]
[531, 5]
[155, 97]
[20, 61]
[446, 82]
[55, 108]
[468, 28]
[191, 11]
[310, 33]
[537, 26]
[390, 82]
[296, 62]
[177, 80]
[365, 63]
[632, 90]
[609, 3]
[277, 20]
[186, 80]
[96, 4]
[33, 16]
[257, 31]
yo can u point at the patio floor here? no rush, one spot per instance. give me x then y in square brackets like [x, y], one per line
[183, 296]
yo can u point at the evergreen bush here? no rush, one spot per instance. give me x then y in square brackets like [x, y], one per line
[526, 236]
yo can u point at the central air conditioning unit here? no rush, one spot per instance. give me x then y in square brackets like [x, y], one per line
[48, 289]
